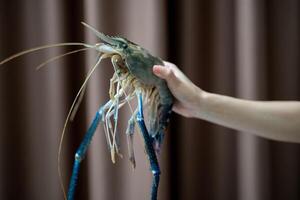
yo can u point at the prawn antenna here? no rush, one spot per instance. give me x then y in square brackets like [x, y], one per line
[44, 47]
[59, 56]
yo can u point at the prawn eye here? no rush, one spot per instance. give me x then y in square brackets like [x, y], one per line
[124, 45]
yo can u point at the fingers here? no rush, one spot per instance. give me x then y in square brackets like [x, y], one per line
[165, 72]
[169, 73]
[162, 72]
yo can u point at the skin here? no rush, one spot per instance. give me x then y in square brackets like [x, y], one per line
[277, 120]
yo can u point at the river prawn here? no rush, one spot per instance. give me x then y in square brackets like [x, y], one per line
[132, 78]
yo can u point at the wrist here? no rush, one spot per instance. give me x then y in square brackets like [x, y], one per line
[200, 103]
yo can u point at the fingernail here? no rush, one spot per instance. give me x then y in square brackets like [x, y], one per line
[156, 69]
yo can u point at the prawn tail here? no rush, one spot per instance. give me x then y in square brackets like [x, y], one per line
[164, 114]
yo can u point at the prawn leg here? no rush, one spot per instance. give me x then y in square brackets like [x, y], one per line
[81, 151]
[130, 133]
[149, 148]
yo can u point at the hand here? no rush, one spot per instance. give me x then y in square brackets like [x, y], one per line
[278, 120]
[186, 94]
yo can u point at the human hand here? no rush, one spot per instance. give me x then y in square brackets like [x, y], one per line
[187, 94]
[278, 120]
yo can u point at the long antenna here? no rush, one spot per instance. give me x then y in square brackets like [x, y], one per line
[59, 56]
[44, 47]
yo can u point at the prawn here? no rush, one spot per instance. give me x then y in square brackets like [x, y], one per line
[132, 78]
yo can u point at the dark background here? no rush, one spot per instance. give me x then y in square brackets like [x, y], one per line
[241, 48]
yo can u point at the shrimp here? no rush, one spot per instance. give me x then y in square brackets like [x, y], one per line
[132, 79]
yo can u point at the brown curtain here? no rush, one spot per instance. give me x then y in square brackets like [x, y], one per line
[242, 48]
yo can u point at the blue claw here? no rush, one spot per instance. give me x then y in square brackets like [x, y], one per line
[81, 151]
[149, 148]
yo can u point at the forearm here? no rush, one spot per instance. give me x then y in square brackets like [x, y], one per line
[273, 119]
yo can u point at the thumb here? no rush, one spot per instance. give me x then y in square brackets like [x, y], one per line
[162, 71]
